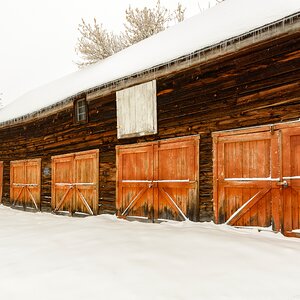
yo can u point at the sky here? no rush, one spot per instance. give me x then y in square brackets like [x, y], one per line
[38, 38]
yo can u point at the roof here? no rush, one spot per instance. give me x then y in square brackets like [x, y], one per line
[227, 20]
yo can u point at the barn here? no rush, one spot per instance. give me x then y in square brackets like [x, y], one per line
[198, 122]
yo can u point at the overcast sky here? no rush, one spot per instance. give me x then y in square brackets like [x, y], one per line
[38, 37]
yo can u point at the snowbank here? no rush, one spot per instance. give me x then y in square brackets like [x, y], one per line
[226, 20]
[43, 256]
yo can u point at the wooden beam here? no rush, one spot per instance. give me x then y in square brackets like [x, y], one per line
[63, 199]
[32, 198]
[134, 200]
[173, 203]
[246, 206]
[18, 195]
[84, 202]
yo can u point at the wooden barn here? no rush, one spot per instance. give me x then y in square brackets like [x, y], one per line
[199, 122]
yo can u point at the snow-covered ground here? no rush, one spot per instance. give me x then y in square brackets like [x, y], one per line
[43, 256]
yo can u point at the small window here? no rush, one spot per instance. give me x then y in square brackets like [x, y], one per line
[81, 110]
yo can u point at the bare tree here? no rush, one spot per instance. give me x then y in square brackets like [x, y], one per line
[142, 23]
[96, 43]
[179, 13]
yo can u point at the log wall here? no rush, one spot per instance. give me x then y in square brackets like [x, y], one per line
[255, 86]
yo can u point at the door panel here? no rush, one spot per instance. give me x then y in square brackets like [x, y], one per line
[17, 180]
[33, 179]
[177, 176]
[25, 182]
[62, 179]
[135, 173]
[291, 174]
[244, 178]
[87, 177]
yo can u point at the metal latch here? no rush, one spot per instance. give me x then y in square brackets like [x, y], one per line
[283, 183]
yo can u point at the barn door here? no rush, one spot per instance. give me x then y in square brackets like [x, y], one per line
[159, 180]
[291, 178]
[75, 180]
[245, 178]
[1, 180]
[257, 177]
[25, 183]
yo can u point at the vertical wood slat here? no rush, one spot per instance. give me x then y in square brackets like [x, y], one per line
[1, 180]
[215, 180]
[286, 171]
[155, 174]
[220, 176]
[295, 209]
[276, 172]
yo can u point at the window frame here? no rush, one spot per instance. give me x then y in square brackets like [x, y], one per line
[77, 113]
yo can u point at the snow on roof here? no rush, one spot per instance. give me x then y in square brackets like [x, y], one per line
[229, 19]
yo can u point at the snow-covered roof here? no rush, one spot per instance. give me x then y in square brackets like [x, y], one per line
[227, 20]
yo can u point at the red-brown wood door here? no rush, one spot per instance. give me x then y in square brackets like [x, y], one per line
[75, 182]
[62, 182]
[257, 177]
[1, 180]
[135, 176]
[176, 172]
[25, 183]
[244, 178]
[159, 180]
[291, 178]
